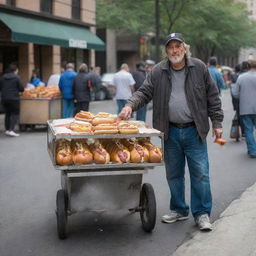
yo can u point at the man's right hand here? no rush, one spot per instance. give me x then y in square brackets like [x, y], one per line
[125, 113]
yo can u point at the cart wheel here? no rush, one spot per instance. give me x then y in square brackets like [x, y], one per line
[148, 207]
[61, 212]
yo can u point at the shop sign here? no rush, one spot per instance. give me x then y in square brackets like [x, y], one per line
[77, 43]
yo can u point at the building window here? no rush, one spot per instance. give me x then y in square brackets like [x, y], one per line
[11, 2]
[46, 6]
[76, 9]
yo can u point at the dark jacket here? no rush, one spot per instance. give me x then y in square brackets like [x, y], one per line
[139, 77]
[10, 86]
[81, 87]
[65, 84]
[202, 96]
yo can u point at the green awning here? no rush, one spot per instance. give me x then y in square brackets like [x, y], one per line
[30, 30]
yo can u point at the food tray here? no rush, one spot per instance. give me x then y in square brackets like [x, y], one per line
[52, 137]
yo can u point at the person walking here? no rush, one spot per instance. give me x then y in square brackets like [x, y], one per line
[184, 97]
[65, 85]
[139, 76]
[11, 86]
[124, 86]
[82, 89]
[215, 74]
[245, 91]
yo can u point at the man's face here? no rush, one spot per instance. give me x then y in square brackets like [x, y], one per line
[175, 51]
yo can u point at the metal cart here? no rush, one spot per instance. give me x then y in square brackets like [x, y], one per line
[37, 111]
[103, 187]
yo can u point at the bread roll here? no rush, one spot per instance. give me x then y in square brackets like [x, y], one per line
[78, 127]
[63, 152]
[105, 129]
[81, 153]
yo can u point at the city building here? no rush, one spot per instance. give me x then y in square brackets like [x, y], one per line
[44, 35]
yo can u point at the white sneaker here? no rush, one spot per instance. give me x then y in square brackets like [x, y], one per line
[203, 222]
[7, 133]
[173, 217]
[13, 134]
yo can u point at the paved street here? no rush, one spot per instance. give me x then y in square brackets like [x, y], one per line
[28, 186]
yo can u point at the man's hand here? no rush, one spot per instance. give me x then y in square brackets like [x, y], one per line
[125, 113]
[217, 132]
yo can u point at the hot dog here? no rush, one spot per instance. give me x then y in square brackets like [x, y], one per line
[220, 141]
[118, 152]
[78, 127]
[104, 120]
[63, 152]
[139, 154]
[126, 128]
[155, 153]
[100, 154]
[81, 153]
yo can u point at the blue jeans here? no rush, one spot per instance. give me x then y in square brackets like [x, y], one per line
[67, 108]
[120, 105]
[249, 122]
[141, 113]
[184, 143]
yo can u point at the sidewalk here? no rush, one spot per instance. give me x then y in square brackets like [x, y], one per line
[234, 233]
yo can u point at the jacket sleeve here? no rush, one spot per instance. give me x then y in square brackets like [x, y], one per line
[20, 85]
[213, 102]
[143, 95]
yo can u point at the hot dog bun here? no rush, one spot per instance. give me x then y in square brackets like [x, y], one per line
[139, 154]
[126, 128]
[105, 129]
[118, 152]
[84, 116]
[81, 127]
[81, 152]
[63, 152]
[100, 154]
[155, 153]
[104, 120]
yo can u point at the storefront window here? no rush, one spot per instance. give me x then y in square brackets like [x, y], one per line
[68, 55]
[76, 9]
[11, 2]
[46, 6]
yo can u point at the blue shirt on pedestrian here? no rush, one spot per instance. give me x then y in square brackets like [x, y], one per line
[66, 84]
[216, 77]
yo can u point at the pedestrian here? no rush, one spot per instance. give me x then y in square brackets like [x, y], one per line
[149, 65]
[184, 97]
[11, 86]
[139, 76]
[65, 85]
[216, 74]
[124, 86]
[55, 78]
[35, 79]
[245, 91]
[81, 89]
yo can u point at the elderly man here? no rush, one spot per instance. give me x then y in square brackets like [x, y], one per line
[245, 91]
[184, 97]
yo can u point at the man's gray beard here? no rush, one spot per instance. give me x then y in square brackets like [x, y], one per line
[177, 61]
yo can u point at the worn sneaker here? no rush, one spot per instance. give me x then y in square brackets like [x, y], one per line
[203, 222]
[7, 132]
[173, 217]
[13, 134]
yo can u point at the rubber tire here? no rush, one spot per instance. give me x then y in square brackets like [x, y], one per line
[148, 207]
[61, 213]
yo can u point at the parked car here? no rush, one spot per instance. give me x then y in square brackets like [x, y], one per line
[107, 81]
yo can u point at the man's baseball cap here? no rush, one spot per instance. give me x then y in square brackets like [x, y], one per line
[174, 36]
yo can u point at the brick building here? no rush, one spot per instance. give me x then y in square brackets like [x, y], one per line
[46, 34]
